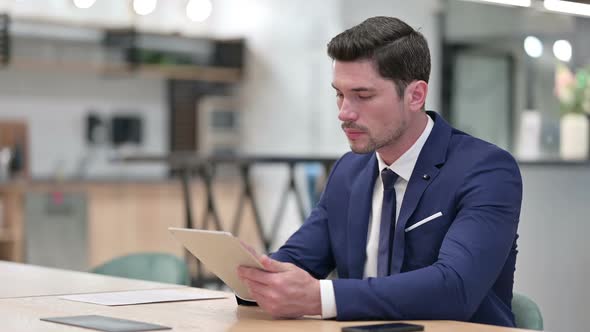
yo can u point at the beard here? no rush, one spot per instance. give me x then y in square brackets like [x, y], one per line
[375, 141]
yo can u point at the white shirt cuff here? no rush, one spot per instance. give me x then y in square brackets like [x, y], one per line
[328, 299]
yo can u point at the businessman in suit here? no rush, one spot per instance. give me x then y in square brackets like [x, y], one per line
[419, 220]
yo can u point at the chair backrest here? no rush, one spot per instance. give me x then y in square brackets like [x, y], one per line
[526, 313]
[160, 267]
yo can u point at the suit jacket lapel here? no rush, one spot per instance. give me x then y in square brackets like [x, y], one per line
[359, 209]
[433, 155]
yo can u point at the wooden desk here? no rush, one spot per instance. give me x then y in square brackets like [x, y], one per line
[21, 280]
[24, 313]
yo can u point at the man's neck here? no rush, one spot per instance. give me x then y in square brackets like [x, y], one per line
[391, 153]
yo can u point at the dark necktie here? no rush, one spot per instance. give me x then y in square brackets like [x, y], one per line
[387, 227]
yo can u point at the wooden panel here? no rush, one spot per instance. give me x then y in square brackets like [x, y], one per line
[130, 218]
[11, 229]
[127, 218]
[124, 218]
[13, 135]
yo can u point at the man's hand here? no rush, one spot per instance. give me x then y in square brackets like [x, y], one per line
[284, 290]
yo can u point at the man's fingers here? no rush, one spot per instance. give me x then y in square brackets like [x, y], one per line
[269, 264]
[254, 274]
[272, 265]
[266, 301]
[255, 288]
[261, 290]
[255, 284]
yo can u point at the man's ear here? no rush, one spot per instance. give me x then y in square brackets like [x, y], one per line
[415, 95]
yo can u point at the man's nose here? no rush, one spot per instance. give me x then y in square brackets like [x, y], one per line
[346, 112]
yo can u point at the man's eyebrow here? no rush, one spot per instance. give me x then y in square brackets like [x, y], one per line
[358, 89]
[361, 89]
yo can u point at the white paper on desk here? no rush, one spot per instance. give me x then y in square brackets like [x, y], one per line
[143, 296]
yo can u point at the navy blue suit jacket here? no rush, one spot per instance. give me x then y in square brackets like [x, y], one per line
[459, 266]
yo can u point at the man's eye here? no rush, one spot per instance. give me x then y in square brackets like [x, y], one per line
[365, 97]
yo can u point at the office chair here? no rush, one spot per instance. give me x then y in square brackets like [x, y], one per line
[159, 267]
[526, 313]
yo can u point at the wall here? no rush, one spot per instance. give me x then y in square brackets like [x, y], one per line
[553, 264]
[287, 89]
[55, 106]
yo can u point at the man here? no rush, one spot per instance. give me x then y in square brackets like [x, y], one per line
[419, 220]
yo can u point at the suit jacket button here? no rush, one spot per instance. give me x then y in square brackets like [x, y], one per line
[426, 177]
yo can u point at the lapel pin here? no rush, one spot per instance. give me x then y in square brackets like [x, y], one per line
[426, 177]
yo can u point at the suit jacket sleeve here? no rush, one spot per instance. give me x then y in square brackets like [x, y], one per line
[470, 259]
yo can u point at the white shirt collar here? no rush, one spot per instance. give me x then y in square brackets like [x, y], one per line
[404, 165]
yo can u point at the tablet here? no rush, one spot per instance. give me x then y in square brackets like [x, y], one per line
[107, 324]
[391, 327]
[221, 253]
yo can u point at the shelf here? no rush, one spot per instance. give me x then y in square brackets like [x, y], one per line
[187, 72]
[177, 72]
[48, 46]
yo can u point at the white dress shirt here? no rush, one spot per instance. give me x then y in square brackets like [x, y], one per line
[403, 167]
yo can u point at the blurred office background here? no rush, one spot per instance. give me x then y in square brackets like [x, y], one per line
[109, 110]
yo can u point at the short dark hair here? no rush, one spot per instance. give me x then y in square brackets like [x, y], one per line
[399, 52]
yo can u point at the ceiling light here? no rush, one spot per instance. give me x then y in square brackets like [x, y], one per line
[520, 3]
[84, 4]
[562, 49]
[533, 46]
[144, 7]
[567, 7]
[198, 10]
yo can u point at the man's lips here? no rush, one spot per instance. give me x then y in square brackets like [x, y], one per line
[353, 133]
